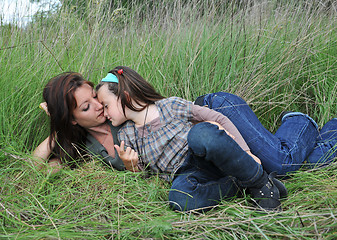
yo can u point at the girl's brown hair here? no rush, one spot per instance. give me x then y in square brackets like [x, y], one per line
[132, 86]
[59, 95]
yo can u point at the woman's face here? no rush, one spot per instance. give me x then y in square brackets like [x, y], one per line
[88, 112]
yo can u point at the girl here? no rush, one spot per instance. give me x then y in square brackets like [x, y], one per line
[211, 155]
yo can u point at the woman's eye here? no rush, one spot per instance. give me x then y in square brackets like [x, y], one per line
[105, 105]
[86, 109]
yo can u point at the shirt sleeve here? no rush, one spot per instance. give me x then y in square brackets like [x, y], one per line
[202, 114]
[181, 108]
[124, 135]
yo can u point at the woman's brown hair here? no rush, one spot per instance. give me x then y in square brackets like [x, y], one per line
[61, 102]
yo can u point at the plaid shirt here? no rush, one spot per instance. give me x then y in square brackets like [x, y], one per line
[162, 148]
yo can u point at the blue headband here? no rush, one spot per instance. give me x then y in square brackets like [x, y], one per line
[111, 78]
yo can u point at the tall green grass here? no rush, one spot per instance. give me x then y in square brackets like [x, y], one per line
[277, 55]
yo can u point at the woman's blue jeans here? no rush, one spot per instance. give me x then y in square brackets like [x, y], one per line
[215, 168]
[297, 142]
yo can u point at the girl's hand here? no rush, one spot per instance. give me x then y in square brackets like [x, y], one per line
[129, 157]
[221, 128]
[254, 157]
[249, 152]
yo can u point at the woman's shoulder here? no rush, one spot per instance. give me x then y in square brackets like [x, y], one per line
[113, 128]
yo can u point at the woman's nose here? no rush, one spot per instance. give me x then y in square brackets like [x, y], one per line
[99, 105]
[106, 114]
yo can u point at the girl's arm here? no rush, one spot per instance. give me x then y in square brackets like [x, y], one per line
[204, 114]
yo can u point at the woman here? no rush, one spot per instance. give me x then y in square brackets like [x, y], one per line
[77, 124]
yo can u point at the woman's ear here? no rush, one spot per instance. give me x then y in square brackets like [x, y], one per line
[74, 122]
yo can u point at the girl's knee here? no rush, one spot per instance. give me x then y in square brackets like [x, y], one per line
[297, 117]
[200, 131]
[202, 136]
[224, 97]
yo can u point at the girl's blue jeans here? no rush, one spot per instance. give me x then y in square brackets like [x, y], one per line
[297, 141]
[215, 168]
[199, 183]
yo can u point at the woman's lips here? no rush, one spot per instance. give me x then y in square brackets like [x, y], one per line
[101, 114]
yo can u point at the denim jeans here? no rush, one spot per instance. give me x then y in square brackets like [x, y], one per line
[296, 142]
[215, 168]
[325, 149]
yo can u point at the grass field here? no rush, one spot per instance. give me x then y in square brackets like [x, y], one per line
[277, 55]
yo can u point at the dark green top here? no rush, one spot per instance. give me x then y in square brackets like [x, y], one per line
[98, 150]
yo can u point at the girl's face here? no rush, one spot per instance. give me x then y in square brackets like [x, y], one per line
[89, 111]
[112, 106]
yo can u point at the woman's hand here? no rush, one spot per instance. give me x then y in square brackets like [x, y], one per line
[42, 152]
[41, 155]
[54, 165]
[44, 107]
[129, 157]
